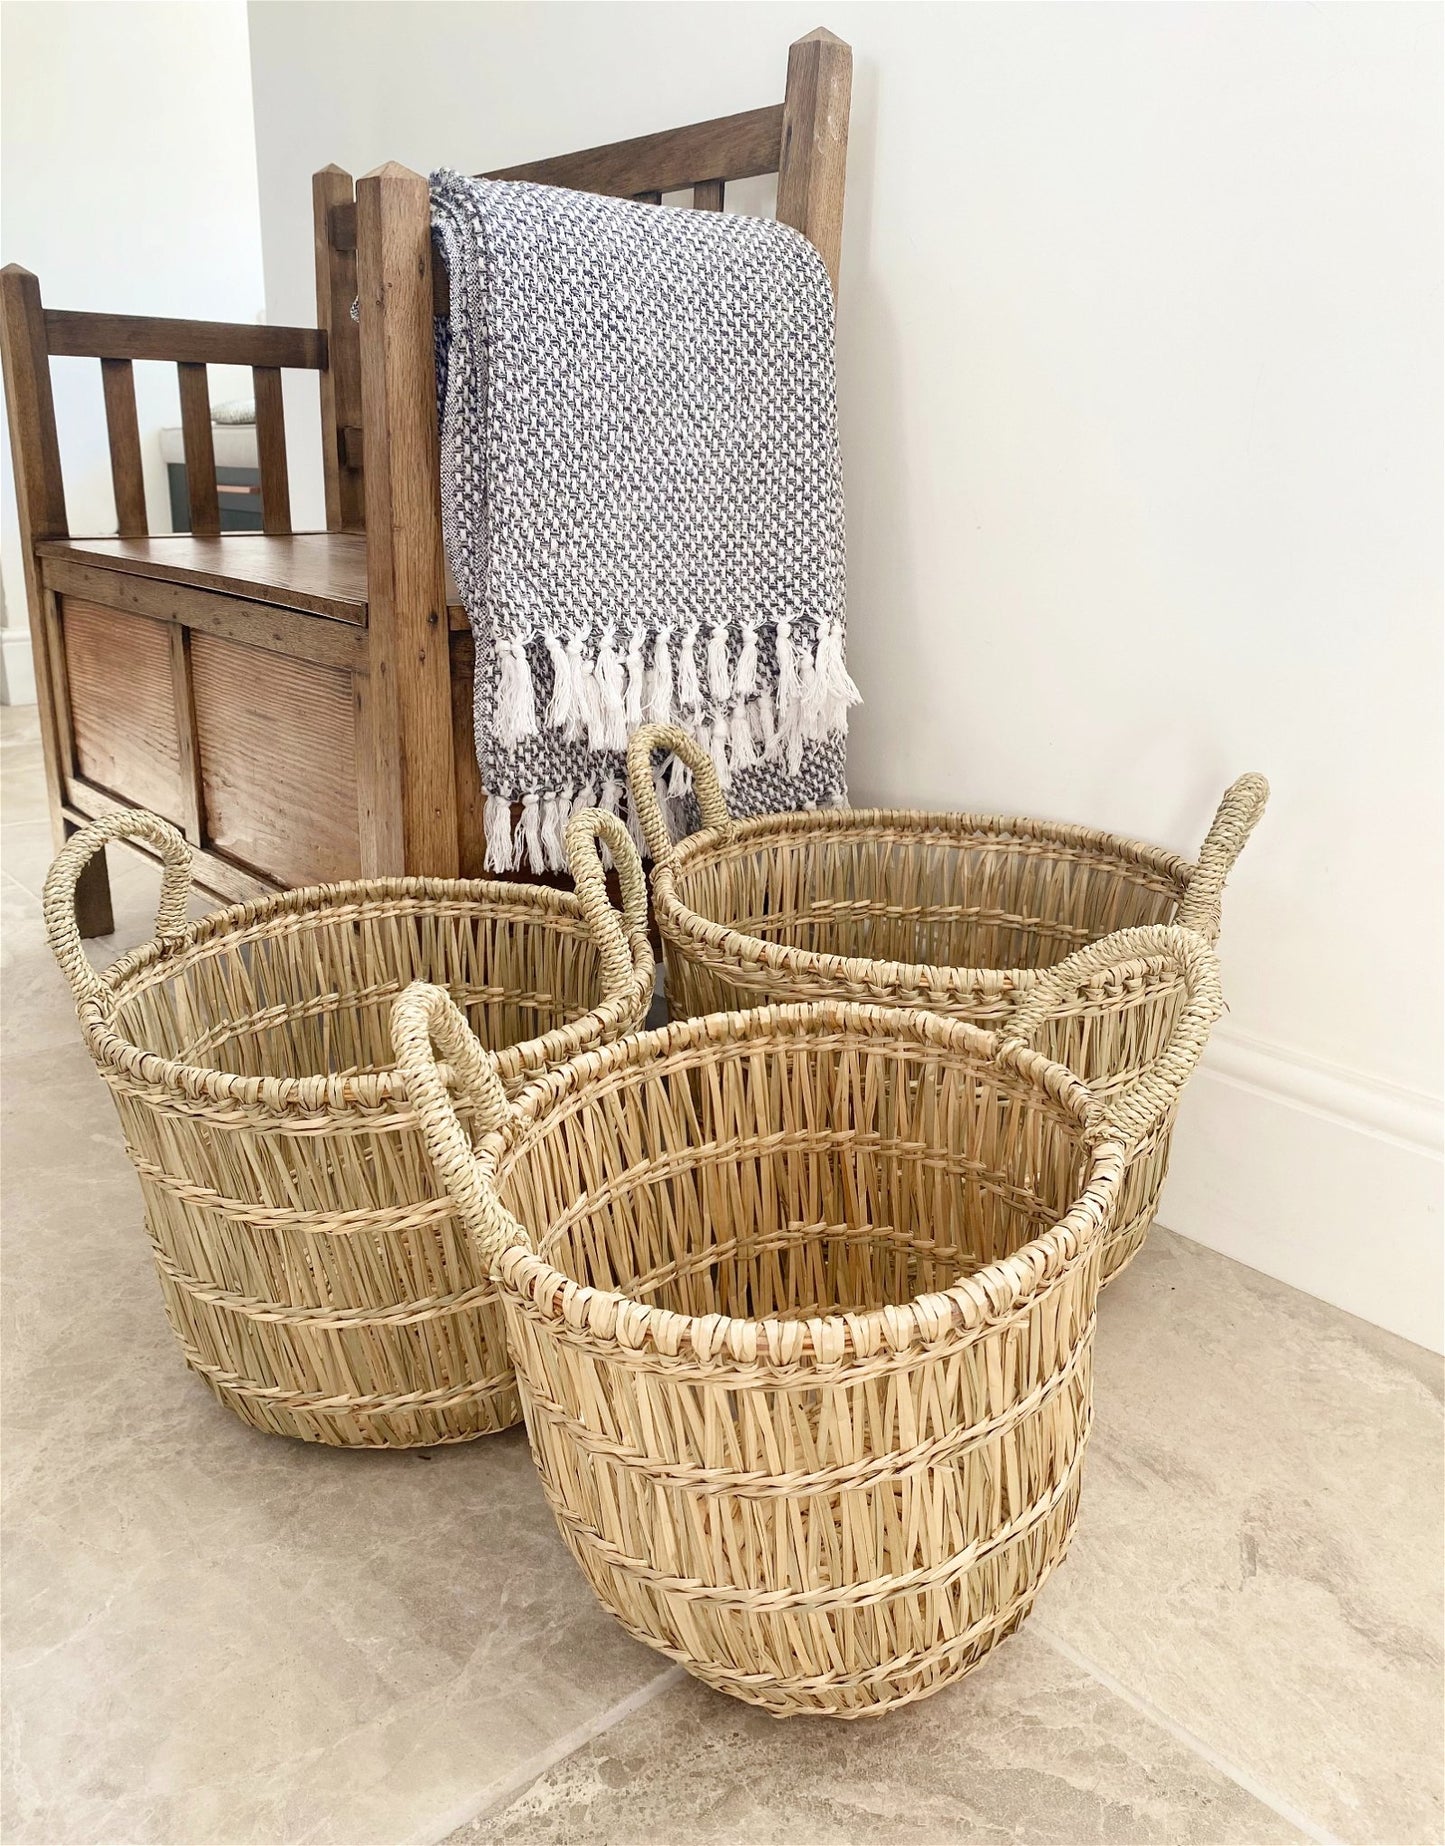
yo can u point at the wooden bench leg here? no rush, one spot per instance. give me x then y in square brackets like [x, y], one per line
[93, 913]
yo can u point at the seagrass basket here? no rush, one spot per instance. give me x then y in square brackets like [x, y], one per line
[801, 1302]
[312, 1269]
[958, 913]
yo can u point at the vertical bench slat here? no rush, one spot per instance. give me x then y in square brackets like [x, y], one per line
[707, 196]
[271, 450]
[200, 451]
[127, 476]
[331, 193]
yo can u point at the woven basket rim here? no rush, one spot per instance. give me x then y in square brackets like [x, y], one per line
[315, 1097]
[645, 1334]
[718, 843]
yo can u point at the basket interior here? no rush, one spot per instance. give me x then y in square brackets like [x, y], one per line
[792, 1179]
[941, 897]
[310, 993]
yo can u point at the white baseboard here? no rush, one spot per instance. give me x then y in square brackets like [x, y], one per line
[1323, 1177]
[17, 668]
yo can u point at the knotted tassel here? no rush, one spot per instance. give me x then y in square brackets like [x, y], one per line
[606, 706]
[562, 704]
[765, 725]
[497, 831]
[556, 810]
[636, 677]
[790, 708]
[577, 691]
[527, 843]
[516, 698]
[719, 674]
[745, 676]
[717, 749]
[834, 691]
[657, 701]
[689, 690]
[679, 778]
[740, 738]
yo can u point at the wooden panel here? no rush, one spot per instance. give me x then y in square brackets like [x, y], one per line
[271, 451]
[196, 342]
[279, 631]
[209, 873]
[729, 147]
[127, 475]
[200, 451]
[278, 762]
[323, 572]
[118, 668]
[708, 196]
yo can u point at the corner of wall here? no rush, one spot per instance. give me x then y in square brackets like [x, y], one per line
[1325, 1178]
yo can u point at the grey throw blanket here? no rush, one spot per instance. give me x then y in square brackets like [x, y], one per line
[642, 500]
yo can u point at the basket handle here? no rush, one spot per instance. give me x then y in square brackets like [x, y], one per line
[1138, 1108]
[640, 747]
[424, 1020]
[1238, 813]
[64, 875]
[614, 935]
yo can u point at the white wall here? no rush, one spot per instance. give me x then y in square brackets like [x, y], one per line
[1141, 390]
[127, 184]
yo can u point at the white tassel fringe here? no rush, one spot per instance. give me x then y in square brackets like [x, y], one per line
[516, 698]
[497, 830]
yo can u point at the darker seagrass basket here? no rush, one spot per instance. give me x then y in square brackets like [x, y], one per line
[961, 914]
[801, 1302]
[312, 1269]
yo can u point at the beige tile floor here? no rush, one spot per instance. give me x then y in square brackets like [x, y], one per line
[215, 1636]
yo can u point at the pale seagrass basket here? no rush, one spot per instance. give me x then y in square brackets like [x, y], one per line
[957, 913]
[801, 1302]
[312, 1269]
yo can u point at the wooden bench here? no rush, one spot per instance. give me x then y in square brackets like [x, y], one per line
[301, 703]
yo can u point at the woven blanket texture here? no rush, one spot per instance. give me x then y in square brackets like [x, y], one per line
[642, 501]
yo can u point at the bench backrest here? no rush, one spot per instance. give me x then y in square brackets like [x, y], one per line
[803, 139]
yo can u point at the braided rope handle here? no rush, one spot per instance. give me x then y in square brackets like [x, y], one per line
[1237, 816]
[1138, 1108]
[64, 875]
[640, 748]
[613, 934]
[424, 1020]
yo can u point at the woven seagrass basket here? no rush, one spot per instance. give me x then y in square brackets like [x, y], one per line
[958, 913]
[312, 1269]
[801, 1302]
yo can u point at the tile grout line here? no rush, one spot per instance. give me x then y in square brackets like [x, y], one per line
[1157, 1716]
[499, 1794]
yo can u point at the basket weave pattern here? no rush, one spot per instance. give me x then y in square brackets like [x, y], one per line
[956, 913]
[311, 1267]
[801, 1301]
